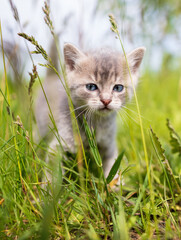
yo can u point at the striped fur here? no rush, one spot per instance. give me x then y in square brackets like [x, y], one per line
[105, 68]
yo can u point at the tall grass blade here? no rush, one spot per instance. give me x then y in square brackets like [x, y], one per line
[92, 143]
[115, 168]
[115, 29]
[162, 159]
[138, 201]
[175, 139]
[120, 230]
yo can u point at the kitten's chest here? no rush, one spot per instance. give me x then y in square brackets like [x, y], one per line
[104, 130]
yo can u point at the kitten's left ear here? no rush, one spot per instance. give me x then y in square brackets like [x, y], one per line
[135, 58]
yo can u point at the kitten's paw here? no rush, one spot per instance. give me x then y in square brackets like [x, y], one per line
[116, 182]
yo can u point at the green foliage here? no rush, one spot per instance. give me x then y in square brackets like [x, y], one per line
[115, 168]
[92, 143]
[142, 208]
[30, 212]
[175, 139]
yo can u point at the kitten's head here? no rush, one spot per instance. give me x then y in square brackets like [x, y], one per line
[100, 80]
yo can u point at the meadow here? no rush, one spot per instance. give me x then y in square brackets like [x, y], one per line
[81, 204]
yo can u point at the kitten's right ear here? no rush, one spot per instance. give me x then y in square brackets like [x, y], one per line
[72, 55]
[135, 58]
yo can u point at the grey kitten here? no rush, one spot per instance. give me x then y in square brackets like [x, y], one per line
[100, 85]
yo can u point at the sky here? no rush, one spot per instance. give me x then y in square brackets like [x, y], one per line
[85, 27]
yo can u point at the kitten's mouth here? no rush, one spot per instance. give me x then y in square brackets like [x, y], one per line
[105, 109]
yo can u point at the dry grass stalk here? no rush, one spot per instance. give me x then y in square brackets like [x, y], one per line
[33, 77]
[14, 10]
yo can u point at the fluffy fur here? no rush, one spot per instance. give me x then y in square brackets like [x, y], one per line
[105, 69]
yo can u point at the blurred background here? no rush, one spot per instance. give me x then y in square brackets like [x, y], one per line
[153, 24]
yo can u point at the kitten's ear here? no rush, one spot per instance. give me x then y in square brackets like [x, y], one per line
[135, 58]
[72, 55]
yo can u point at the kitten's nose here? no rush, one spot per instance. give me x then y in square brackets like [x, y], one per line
[106, 101]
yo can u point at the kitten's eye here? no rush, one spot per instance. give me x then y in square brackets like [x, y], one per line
[118, 88]
[91, 87]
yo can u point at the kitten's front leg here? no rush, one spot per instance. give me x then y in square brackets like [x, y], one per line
[109, 154]
[54, 159]
[51, 160]
[109, 158]
[107, 165]
[108, 150]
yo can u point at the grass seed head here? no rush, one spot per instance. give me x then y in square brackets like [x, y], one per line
[33, 77]
[19, 122]
[39, 48]
[48, 21]
[114, 25]
[14, 10]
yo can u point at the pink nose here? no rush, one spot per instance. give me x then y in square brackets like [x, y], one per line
[106, 101]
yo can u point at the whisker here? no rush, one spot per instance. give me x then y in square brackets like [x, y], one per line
[123, 120]
[130, 117]
[85, 115]
[87, 109]
[81, 113]
[134, 112]
[75, 109]
[85, 105]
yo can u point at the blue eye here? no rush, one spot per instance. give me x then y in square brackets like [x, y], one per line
[118, 88]
[91, 87]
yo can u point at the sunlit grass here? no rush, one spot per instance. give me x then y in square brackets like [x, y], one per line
[74, 216]
[80, 205]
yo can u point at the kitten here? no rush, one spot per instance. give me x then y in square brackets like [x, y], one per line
[100, 85]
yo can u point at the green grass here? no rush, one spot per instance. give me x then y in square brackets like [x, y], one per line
[73, 212]
[80, 205]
